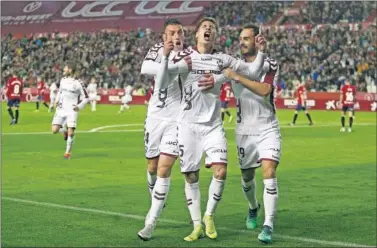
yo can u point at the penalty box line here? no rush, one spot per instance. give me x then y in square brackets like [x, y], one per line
[142, 218]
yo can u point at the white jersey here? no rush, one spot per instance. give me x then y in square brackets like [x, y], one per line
[69, 94]
[53, 89]
[204, 106]
[255, 113]
[92, 89]
[128, 90]
[164, 103]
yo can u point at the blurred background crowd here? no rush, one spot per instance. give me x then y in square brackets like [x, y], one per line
[326, 55]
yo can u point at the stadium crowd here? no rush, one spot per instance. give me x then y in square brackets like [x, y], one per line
[327, 55]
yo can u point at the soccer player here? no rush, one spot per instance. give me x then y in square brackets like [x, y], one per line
[347, 101]
[301, 103]
[92, 91]
[225, 94]
[14, 92]
[257, 133]
[200, 127]
[67, 105]
[127, 98]
[53, 93]
[41, 86]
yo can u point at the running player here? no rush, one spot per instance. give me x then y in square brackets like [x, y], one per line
[127, 98]
[67, 105]
[301, 96]
[41, 87]
[225, 95]
[257, 133]
[14, 89]
[347, 101]
[53, 93]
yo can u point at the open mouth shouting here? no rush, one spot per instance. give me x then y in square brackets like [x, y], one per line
[207, 35]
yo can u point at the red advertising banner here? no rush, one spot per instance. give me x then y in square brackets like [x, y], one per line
[317, 101]
[26, 17]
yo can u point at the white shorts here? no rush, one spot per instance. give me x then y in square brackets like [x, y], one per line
[92, 97]
[252, 149]
[194, 139]
[160, 137]
[126, 99]
[61, 116]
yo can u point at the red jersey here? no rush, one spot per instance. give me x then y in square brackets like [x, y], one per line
[301, 91]
[41, 88]
[225, 92]
[348, 94]
[14, 88]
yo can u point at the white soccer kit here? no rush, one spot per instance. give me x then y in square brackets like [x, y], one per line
[200, 127]
[68, 97]
[92, 91]
[160, 134]
[127, 98]
[257, 132]
[53, 92]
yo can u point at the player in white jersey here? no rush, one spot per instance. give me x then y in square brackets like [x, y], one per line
[53, 92]
[92, 91]
[200, 127]
[127, 98]
[67, 105]
[257, 133]
[161, 148]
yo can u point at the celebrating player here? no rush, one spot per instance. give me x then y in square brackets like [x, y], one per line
[127, 98]
[199, 124]
[257, 132]
[14, 92]
[67, 105]
[225, 94]
[347, 101]
[161, 149]
[53, 93]
[41, 86]
[301, 97]
[92, 91]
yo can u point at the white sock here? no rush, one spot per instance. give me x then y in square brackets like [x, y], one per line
[126, 106]
[270, 199]
[159, 196]
[193, 201]
[249, 191]
[215, 192]
[121, 108]
[93, 105]
[69, 143]
[62, 130]
[151, 182]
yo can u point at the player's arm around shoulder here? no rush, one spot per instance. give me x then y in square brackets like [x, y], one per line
[84, 93]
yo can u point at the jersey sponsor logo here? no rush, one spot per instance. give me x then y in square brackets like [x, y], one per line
[205, 72]
[173, 143]
[220, 151]
[206, 59]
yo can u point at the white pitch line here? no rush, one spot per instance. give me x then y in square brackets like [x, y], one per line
[139, 217]
[101, 129]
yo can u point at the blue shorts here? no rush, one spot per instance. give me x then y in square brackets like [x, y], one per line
[40, 97]
[347, 108]
[14, 103]
[300, 107]
[224, 105]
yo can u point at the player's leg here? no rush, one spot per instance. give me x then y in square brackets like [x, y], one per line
[222, 113]
[190, 153]
[58, 123]
[52, 100]
[308, 116]
[215, 146]
[295, 115]
[17, 114]
[37, 103]
[228, 113]
[10, 112]
[350, 114]
[71, 125]
[343, 119]
[94, 103]
[269, 149]
[168, 155]
[248, 162]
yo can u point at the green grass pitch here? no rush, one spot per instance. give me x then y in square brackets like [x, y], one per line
[327, 185]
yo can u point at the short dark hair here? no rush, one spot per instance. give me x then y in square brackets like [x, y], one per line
[253, 27]
[171, 21]
[72, 65]
[208, 19]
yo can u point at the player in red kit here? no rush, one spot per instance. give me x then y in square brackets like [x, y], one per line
[347, 101]
[14, 92]
[41, 90]
[225, 94]
[301, 104]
